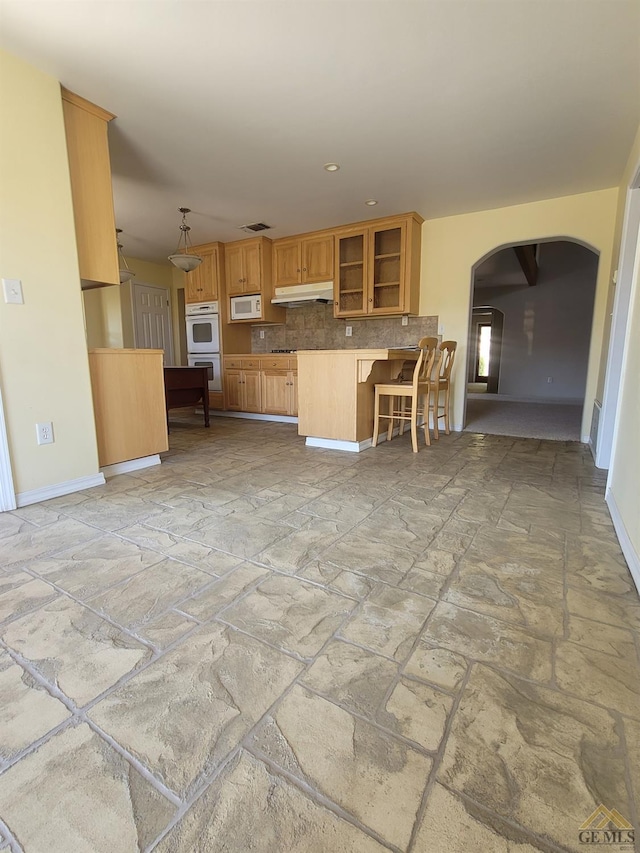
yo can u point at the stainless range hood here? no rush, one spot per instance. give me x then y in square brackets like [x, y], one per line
[303, 294]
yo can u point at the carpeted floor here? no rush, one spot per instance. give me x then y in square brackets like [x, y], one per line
[553, 421]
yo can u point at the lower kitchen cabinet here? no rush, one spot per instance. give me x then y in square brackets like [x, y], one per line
[265, 385]
[280, 392]
[243, 390]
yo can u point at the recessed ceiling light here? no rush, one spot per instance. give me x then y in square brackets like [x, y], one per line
[371, 201]
[331, 167]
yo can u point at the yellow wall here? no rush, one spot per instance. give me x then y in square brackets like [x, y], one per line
[109, 310]
[452, 245]
[43, 355]
[624, 474]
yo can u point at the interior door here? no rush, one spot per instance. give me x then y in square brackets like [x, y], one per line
[152, 319]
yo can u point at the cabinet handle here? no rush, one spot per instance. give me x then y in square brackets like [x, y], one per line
[304, 269]
[370, 299]
[298, 270]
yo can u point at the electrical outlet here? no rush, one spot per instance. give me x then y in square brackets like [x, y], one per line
[261, 334]
[441, 329]
[405, 320]
[549, 379]
[348, 330]
[45, 433]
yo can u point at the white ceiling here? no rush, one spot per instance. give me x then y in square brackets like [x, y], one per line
[439, 106]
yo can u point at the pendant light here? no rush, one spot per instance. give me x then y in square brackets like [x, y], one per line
[125, 273]
[186, 260]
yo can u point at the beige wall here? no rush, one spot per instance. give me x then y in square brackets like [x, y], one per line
[43, 355]
[624, 474]
[453, 245]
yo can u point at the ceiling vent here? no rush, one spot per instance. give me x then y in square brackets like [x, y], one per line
[255, 226]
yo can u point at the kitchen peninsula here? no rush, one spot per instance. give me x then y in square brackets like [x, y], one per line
[336, 393]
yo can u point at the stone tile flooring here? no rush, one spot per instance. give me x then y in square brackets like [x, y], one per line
[259, 646]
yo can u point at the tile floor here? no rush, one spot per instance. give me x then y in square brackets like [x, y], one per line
[258, 646]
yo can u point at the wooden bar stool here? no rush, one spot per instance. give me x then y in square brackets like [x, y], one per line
[442, 384]
[399, 393]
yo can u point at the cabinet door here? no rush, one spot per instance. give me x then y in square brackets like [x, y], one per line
[233, 389]
[276, 392]
[350, 283]
[252, 282]
[201, 284]
[293, 389]
[208, 276]
[251, 391]
[387, 248]
[234, 275]
[286, 262]
[90, 174]
[317, 259]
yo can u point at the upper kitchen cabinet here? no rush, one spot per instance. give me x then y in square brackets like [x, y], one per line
[248, 272]
[203, 283]
[303, 260]
[248, 266]
[90, 172]
[377, 267]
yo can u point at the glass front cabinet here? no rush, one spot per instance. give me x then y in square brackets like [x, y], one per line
[377, 268]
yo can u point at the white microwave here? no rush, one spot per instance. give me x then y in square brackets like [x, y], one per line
[246, 307]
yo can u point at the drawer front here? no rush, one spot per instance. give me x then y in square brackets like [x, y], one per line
[292, 363]
[241, 362]
[274, 363]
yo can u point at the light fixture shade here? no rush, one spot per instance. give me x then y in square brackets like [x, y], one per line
[185, 262]
[125, 275]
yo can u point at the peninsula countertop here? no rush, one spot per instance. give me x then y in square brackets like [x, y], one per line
[336, 393]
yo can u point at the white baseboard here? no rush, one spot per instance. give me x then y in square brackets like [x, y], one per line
[626, 545]
[130, 465]
[45, 493]
[254, 416]
[338, 444]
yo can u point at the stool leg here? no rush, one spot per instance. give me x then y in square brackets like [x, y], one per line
[392, 406]
[414, 422]
[427, 437]
[376, 419]
[446, 409]
[435, 407]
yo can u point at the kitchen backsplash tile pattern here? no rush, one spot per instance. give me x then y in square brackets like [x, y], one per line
[313, 326]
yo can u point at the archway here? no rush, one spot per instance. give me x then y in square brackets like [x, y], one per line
[543, 293]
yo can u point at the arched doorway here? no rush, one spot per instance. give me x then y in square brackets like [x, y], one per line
[543, 294]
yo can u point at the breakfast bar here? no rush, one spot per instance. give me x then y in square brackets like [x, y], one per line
[336, 393]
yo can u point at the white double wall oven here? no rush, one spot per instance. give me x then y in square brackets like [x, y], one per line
[203, 340]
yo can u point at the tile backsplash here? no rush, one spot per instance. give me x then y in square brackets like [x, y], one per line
[313, 326]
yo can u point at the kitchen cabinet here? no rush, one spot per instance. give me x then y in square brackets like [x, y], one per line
[248, 270]
[129, 403]
[91, 192]
[279, 392]
[377, 268]
[263, 384]
[303, 260]
[243, 390]
[248, 266]
[203, 283]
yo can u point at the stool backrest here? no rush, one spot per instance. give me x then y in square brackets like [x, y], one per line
[447, 357]
[424, 365]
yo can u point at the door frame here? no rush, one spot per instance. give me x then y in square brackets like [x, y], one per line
[169, 359]
[629, 246]
[479, 326]
[7, 490]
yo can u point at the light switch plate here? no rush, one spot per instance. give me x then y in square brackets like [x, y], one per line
[348, 331]
[13, 290]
